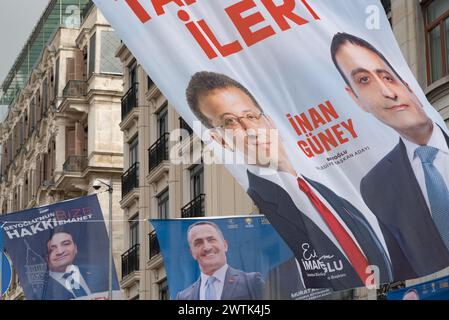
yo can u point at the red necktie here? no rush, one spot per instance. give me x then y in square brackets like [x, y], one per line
[355, 256]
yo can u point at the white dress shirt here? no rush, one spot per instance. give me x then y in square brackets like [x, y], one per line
[77, 276]
[220, 274]
[441, 162]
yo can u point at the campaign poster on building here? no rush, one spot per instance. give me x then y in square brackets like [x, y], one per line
[313, 109]
[437, 289]
[244, 255]
[61, 251]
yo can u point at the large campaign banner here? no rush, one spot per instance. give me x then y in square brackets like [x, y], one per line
[437, 289]
[313, 109]
[61, 251]
[244, 255]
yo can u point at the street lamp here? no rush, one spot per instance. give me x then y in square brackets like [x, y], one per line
[96, 185]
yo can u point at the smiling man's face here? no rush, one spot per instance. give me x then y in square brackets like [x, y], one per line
[378, 90]
[251, 138]
[61, 252]
[208, 248]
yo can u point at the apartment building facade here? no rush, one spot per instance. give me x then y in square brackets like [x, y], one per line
[62, 129]
[154, 187]
[89, 104]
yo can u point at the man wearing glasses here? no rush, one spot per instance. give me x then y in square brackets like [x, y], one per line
[332, 240]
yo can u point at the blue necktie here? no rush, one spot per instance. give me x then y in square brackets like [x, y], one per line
[436, 191]
[210, 289]
[76, 288]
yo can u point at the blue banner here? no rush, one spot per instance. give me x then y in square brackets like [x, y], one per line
[61, 251]
[432, 290]
[245, 254]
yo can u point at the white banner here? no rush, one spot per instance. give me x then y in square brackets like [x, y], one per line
[356, 184]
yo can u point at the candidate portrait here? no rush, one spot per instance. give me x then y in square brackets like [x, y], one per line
[67, 278]
[218, 280]
[407, 189]
[333, 227]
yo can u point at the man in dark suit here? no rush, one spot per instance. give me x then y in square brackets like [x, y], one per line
[218, 280]
[329, 255]
[66, 280]
[408, 189]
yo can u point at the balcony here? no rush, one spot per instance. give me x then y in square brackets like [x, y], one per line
[130, 179]
[194, 208]
[75, 164]
[130, 261]
[158, 152]
[75, 89]
[154, 245]
[129, 100]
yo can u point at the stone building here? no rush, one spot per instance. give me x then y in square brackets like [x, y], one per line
[62, 132]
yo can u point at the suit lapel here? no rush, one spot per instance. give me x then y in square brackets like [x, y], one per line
[230, 283]
[401, 160]
[445, 136]
[273, 196]
[195, 294]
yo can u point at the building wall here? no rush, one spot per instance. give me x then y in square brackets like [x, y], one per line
[78, 136]
[224, 196]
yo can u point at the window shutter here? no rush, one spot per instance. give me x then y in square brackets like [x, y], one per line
[70, 148]
[70, 71]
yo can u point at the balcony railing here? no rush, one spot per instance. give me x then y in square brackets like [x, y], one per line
[154, 245]
[75, 164]
[158, 152]
[194, 208]
[129, 100]
[130, 179]
[130, 261]
[75, 88]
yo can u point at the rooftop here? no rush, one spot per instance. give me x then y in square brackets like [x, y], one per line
[59, 13]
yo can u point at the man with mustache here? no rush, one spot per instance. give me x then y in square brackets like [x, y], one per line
[332, 233]
[408, 189]
[218, 280]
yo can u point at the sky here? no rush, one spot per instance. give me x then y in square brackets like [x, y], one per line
[17, 21]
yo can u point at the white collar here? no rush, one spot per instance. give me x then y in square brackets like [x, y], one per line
[220, 274]
[437, 140]
[60, 275]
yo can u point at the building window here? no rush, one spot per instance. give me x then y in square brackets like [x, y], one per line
[196, 181]
[153, 244]
[109, 63]
[92, 54]
[196, 206]
[132, 74]
[134, 231]
[133, 151]
[163, 290]
[162, 121]
[436, 13]
[56, 85]
[185, 126]
[150, 83]
[162, 205]
[387, 7]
